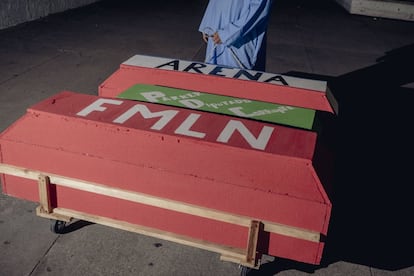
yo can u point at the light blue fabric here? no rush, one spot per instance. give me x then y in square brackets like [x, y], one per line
[242, 26]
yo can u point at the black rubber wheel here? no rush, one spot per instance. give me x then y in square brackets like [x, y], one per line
[244, 270]
[57, 226]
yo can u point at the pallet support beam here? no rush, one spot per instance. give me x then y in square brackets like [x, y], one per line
[252, 242]
[44, 194]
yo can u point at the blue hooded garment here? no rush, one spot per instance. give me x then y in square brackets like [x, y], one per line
[242, 26]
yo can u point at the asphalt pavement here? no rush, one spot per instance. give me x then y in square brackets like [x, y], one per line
[367, 62]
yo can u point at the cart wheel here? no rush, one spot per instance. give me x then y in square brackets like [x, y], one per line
[57, 226]
[244, 270]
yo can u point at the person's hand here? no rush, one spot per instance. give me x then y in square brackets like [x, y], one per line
[216, 38]
[205, 37]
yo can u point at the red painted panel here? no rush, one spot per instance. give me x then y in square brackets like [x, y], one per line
[85, 159]
[284, 140]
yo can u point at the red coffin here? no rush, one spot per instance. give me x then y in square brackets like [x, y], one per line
[208, 78]
[238, 166]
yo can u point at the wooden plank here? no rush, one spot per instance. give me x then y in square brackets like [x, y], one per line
[52, 215]
[253, 238]
[236, 254]
[44, 194]
[161, 203]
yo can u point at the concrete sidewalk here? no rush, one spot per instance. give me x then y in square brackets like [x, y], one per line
[366, 61]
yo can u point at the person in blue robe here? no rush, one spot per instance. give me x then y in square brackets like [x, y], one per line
[235, 33]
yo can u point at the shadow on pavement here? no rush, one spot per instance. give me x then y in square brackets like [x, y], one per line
[372, 206]
[76, 225]
[372, 144]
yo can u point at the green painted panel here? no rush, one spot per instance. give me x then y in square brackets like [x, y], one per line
[257, 110]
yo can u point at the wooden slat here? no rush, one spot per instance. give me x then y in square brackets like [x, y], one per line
[236, 253]
[52, 215]
[252, 242]
[44, 194]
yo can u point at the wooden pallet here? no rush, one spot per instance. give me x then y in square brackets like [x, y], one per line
[249, 257]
